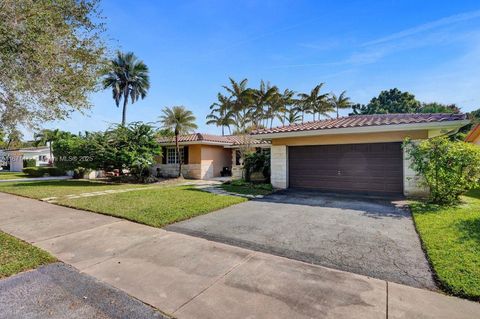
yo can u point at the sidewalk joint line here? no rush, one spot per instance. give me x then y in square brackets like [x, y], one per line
[247, 258]
[75, 232]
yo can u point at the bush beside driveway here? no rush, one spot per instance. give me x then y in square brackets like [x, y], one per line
[451, 237]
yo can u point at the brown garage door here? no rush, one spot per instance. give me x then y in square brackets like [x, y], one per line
[365, 168]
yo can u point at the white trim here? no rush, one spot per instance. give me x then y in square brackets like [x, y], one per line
[367, 129]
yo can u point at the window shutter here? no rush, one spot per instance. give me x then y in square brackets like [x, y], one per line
[164, 155]
[185, 154]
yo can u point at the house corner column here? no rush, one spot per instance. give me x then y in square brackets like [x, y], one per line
[411, 180]
[279, 166]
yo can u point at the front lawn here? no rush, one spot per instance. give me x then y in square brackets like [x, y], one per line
[17, 255]
[155, 207]
[451, 237]
[12, 175]
[44, 189]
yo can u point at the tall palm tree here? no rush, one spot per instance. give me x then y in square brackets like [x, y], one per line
[262, 103]
[181, 121]
[127, 77]
[241, 100]
[282, 103]
[47, 137]
[340, 102]
[313, 102]
[221, 113]
[293, 115]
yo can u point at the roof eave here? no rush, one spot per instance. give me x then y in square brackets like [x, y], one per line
[449, 125]
[196, 143]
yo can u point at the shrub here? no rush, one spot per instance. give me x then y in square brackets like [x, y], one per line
[29, 162]
[34, 171]
[257, 162]
[42, 171]
[449, 168]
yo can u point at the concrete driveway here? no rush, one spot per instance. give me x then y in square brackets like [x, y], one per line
[373, 237]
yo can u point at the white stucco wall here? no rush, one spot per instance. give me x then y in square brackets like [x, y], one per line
[411, 181]
[279, 166]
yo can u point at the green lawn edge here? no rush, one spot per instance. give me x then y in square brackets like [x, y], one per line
[453, 257]
[17, 256]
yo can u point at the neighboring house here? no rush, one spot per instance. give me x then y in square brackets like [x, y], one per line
[205, 156]
[15, 157]
[361, 153]
[474, 135]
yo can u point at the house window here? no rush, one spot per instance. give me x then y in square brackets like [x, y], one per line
[42, 158]
[172, 155]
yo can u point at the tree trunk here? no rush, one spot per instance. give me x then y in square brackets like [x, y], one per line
[124, 111]
[177, 147]
[337, 112]
[50, 148]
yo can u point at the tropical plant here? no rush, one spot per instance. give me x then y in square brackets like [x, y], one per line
[340, 102]
[293, 115]
[47, 137]
[129, 147]
[127, 77]
[221, 113]
[314, 103]
[181, 121]
[448, 168]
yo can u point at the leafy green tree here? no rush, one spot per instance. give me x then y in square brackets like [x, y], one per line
[127, 77]
[181, 121]
[340, 102]
[449, 168]
[51, 54]
[391, 101]
[131, 147]
[435, 107]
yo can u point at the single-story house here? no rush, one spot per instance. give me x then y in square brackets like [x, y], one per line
[474, 135]
[15, 157]
[205, 156]
[361, 153]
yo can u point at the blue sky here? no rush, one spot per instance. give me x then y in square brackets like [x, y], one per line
[429, 48]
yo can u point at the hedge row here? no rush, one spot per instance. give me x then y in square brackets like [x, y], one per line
[42, 171]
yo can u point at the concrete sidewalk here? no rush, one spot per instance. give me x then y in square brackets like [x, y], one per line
[190, 277]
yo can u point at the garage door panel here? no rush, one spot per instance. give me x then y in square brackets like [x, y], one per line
[369, 168]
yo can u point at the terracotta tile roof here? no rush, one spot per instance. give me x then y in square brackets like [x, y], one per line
[473, 134]
[364, 121]
[200, 137]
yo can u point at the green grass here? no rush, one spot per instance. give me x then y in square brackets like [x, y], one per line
[44, 189]
[248, 189]
[155, 207]
[12, 175]
[451, 237]
[17, 255]
[158, 206]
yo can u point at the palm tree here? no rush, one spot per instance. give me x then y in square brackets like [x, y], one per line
[313, 102]
[340, 102]
[282, 103]
[45, 137]
[241, 100]
[127, 76]
[181, 121]
[293, 115]
[221, 113]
